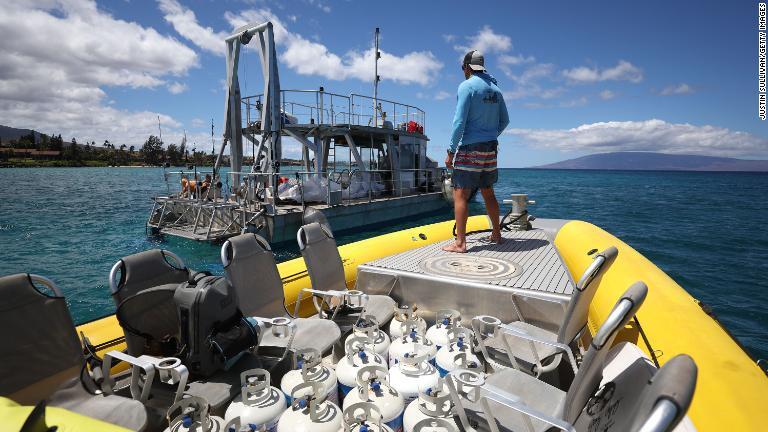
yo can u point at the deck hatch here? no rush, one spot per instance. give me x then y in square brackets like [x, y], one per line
[471, 267]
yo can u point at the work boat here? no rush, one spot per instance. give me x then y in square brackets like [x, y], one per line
[562, 326]
[364, 162]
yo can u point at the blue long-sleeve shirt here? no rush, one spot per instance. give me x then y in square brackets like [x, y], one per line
[481, 114]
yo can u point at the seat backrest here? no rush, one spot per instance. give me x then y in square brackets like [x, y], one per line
[150, 322]
[39, 346]
[250, 267]
[578, 308]
[145, 270]
[321, 256]
[588, 377]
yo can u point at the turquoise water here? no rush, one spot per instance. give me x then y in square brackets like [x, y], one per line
[706, 230]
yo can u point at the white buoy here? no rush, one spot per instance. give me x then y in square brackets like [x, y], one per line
[402, 314]
[458, 353]
[445, 320]
[413, 373]
[408, 342]
[364, 417]
[191, 415]
[358, 354]
[373, 387]
[310, 369]
[259, 405]
[368, 326]
[310, 411]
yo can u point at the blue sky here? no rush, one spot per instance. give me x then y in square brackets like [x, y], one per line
[676, 77]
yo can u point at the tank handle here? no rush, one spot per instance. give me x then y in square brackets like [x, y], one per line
[367, 324]
[357, 343]
[439, 397]
[404, 312]
[360, 413]
[314, 398]
[307, 359]
[415, 362]
[232, 425]
[255, 386]
[448, 318]
[434, 425]
[461, 337]
[410, 328]
[464, 383]
[190, 410]
[371, 376]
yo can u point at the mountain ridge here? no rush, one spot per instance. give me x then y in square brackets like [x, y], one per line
[653, 161]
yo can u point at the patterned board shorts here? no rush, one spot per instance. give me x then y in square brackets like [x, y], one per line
[474, 166]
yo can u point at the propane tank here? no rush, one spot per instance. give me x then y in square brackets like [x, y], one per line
[368, 326]
[191, 415]
[435, 425]
[413, 373]
[402, 314]
[310, 411]
[447, 188]
[308, 368]
[358, 353]
[407, 343]
[445, 320]
[373, 387]
[364, 417]
[259, 405]
[445, 401]
[458, 353]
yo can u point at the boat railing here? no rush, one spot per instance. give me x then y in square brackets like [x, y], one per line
[321, 107]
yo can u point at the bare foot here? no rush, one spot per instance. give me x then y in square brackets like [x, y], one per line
[495, 238]
[455, 247]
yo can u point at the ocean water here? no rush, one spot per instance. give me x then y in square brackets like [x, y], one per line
[706, 230]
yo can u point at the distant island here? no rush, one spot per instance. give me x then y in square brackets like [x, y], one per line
[649, 161]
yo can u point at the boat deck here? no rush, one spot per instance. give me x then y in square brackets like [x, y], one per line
[524, 260]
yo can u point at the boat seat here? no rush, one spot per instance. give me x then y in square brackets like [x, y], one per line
[145, 270]
[529, 393]
[42, 357]
[546, 357]
[250, 267]
[326, 269]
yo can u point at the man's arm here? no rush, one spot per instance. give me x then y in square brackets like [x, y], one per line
[460, 118]
[503, 115]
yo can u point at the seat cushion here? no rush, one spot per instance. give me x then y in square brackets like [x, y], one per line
[529, 391]
[314, 333]
[114, 409]
[521, 348]
[382, 307]
[222, 387]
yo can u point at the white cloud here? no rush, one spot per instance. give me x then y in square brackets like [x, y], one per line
[442, 95]
[649, 135]
[519, 59]
[59, 56]
[177, 87]
[185, 23]
[198, 122]
[486, 41]
[679, 89]
[623, 71]
[303, 55]
[607, 95]
[448, 38]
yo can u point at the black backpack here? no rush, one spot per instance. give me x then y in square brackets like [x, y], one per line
[213, 332]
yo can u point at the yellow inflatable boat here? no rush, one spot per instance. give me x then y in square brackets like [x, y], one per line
[731, 390]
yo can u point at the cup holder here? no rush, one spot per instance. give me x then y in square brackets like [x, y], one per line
[168, 363]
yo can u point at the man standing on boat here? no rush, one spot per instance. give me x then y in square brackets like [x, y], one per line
[481, 116]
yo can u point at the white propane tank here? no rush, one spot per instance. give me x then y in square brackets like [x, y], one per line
[259, 405]
[310, 369]
[402, 314]
[440, 402]
[310, 412]
[435, 425]
[407, 343]
[367, 326]
[445, 320]
[413, 373]
[191, 415]
[358, 353]
[372, 386]
[458, 353]
[364, 417]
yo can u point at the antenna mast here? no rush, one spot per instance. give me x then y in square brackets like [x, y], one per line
[159, 129]
[213, 150]
[376, 77]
